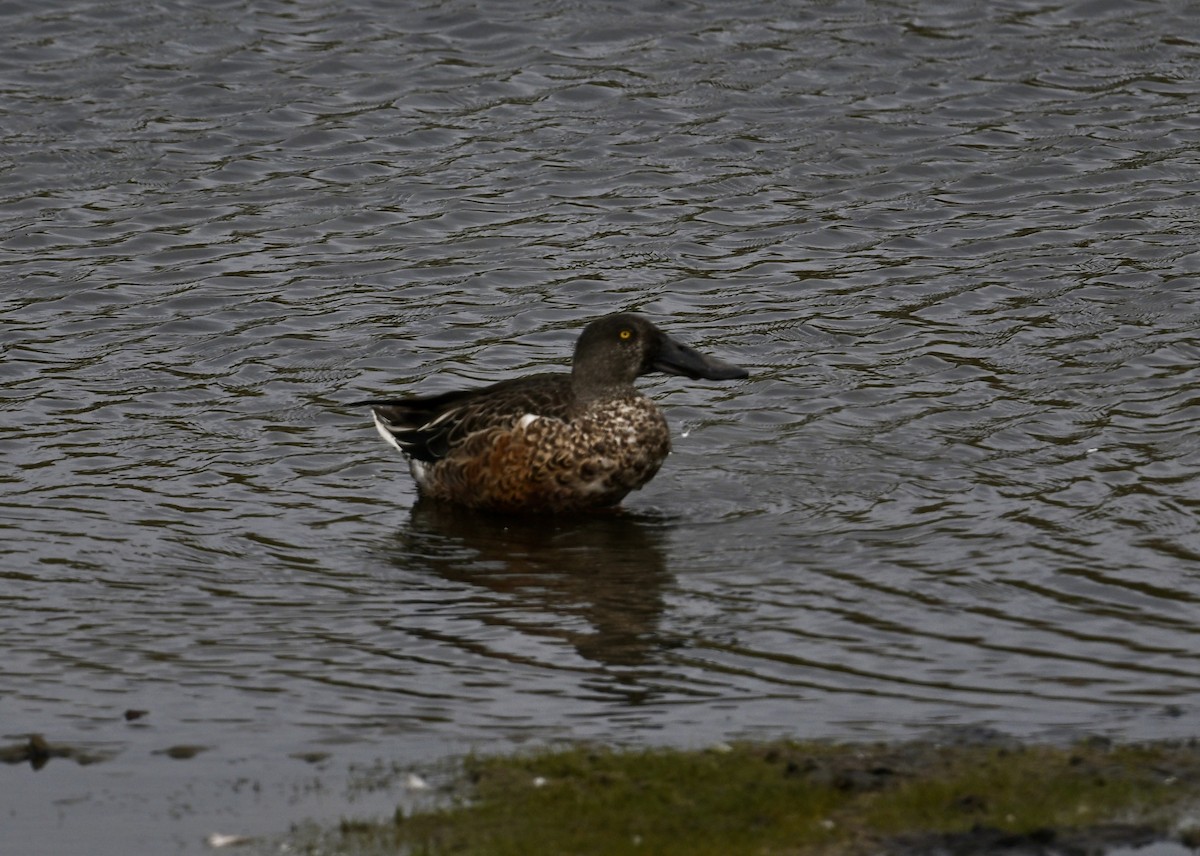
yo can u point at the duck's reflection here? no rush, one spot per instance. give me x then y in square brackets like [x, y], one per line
[597, 580]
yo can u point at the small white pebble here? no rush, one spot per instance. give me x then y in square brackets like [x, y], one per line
[217, 840]
[416, 783]
[1188, 823]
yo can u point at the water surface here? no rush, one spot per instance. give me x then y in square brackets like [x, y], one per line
[955, 247]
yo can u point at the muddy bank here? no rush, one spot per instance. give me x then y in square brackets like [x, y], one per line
[920, 799]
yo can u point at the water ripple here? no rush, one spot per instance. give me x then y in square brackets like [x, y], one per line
[954, 245]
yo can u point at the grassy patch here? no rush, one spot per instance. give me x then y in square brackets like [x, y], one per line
[794, 798]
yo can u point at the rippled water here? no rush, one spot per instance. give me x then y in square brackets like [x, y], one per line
[956, 248]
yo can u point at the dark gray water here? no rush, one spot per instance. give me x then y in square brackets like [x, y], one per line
[956, 247]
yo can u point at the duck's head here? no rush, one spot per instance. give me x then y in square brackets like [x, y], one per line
[615, 350]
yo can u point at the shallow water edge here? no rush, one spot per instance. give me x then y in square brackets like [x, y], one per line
[974, 794]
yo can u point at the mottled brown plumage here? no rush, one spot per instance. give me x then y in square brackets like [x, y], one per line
[549, 442]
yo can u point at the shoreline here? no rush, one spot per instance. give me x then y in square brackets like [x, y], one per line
[798, 797]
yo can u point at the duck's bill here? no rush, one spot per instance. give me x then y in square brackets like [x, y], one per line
[678, 359]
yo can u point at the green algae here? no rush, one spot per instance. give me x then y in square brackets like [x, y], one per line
[796, 798]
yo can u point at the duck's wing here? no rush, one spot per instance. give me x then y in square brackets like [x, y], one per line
[428, 427]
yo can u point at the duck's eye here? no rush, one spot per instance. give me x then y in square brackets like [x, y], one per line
[625, 335]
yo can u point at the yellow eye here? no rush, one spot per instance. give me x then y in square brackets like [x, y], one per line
[625, 334]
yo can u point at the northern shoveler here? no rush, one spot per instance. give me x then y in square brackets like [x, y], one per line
[549, 442]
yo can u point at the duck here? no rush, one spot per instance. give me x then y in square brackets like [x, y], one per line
[552, 442]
